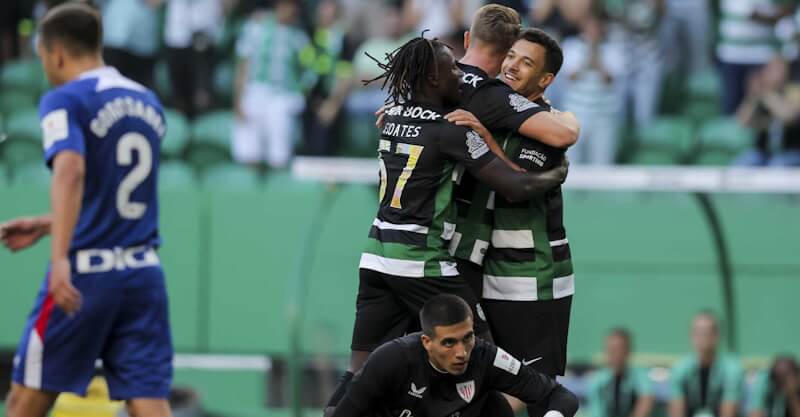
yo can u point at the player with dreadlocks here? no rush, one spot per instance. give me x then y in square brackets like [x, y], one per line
[407, 260]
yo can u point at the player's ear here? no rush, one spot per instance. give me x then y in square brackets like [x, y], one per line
[466, 40]
[426, 342]
[545, 81]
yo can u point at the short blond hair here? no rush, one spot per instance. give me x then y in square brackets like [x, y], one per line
[496, 26]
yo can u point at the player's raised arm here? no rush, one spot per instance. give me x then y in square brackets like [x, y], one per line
[468, 148]
[500, 107]
[559, 130]
[508, 375]
[519, 186]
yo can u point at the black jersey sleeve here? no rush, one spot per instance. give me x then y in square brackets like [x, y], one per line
[499, 107]
[507, 374]
[379, 376]
[465, 146]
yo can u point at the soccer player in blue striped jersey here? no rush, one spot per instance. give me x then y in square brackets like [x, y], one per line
[104, 295]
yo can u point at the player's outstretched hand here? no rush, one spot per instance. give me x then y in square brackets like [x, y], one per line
[21, 233]
[65, 295]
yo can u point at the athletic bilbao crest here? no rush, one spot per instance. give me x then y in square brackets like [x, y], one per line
[466, 390]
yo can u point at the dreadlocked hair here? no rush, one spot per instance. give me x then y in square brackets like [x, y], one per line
[407, 67]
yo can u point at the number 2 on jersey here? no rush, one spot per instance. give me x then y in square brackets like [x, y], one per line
[413, 152]
[127, 144]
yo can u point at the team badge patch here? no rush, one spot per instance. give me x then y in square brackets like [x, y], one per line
[520, 103]
[466, 390]
[475, 145]
[55, 127]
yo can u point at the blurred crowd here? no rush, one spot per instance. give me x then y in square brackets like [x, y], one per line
[705, 383]
[290, 72]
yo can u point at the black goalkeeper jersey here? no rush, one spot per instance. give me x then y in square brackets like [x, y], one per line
[398, 380]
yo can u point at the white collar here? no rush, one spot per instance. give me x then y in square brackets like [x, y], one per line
[99, 72]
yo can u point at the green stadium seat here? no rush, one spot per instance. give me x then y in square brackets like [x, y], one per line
[230, 177]
[664, 141]
[704, 86]
[12, 101]
[32, 174]
[4, 176]
[211, 139]
[177, 137]
[725, 133]
[720, 140]
[24, 143]
[254, 242]
[24, 75]
[333, 282]
[700, 111]
[176, 175]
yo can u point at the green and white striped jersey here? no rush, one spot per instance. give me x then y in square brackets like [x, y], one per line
[743, 40]
[278, 55]
[522, 246]
[415, 222]
[529, 257]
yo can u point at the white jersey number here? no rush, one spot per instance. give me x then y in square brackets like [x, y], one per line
[127, 144]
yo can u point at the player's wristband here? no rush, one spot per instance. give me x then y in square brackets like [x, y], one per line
[553, 413]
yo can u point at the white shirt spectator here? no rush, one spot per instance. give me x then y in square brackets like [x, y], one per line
[187, 17]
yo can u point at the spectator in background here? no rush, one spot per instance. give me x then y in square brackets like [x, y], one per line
[273, 56]
[689, 28]
[707, 382]
[323, 115]
[441, 17]
[772, 109]
[191, 29]
[776, 393]
[638, 25]
[561, 19]
[131, 37]
[594, 68]
[747, 42]
[364, 100]
[620, 390]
